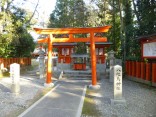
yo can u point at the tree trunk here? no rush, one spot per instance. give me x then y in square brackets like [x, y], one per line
[121, 29]
[114, 47]
[136, 13]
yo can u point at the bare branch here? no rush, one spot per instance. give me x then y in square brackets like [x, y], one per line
[28, 22]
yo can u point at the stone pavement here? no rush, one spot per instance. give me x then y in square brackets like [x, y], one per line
[64, 101]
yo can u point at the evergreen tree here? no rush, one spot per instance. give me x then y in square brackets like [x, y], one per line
[14, 37]
[70, 13]
[147, 15]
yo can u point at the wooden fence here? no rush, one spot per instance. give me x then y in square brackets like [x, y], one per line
[141, 72]
[5, 62]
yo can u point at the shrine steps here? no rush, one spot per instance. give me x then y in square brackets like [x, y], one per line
[78, 75]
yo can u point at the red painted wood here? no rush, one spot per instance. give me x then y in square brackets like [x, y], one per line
[154, 72]
[143, 70]
[148, 71]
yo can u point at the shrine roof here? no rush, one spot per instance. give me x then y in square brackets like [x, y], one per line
[147, 37]
[102, 43]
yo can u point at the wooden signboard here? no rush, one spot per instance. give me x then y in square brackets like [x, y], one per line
[149, 49]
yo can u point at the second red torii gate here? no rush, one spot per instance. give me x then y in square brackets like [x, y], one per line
[71, 31]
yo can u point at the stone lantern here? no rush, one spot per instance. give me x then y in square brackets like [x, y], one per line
[41, 63]
[111, 64]
[111, 54]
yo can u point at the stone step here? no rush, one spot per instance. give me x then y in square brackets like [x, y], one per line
[78, 78]
[76, 72]
[77, 75]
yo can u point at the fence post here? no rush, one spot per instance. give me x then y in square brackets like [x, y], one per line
[147, 71]
[1, 63]
[133, 68]
[127, 67]
[154, 72]
[142, 70]
[5, 62]
[138, 69]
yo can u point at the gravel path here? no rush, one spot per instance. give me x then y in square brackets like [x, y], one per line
[13, 103]
[140, 100]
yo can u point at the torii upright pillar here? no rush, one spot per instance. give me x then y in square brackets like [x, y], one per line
[93, 63]
[49, 64]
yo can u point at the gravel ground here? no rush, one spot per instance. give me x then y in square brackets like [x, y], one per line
[140, 100]
[10, 103]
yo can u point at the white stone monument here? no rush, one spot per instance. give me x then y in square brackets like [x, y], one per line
[111, 63]
[41, 63]
[118, 99]
[15, 77]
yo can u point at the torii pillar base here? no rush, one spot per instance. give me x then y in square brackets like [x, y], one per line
[94, 87]
[48, 85]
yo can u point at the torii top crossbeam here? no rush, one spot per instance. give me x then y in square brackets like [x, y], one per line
[71, 31]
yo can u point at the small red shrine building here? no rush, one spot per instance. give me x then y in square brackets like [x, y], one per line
[64, 51]
[67, 59]
[100, 49]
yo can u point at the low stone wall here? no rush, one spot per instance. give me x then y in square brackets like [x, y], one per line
[100, 70]
[141, 81]
[63, 66]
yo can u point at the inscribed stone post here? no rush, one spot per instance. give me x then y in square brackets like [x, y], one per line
[117, 82]
[118, 99]
[15, 77]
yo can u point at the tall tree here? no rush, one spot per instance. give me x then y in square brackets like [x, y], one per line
[70, 13]
[62, 14]
[142, 24]
[108, 14]
[13, 31]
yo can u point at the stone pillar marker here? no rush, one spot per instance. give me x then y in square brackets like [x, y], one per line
[15, 77]
[111, 68]
[118, 99]
[41, 63]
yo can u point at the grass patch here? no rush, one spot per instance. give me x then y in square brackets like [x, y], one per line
[89, 107]
[4, 74]
[24, 69]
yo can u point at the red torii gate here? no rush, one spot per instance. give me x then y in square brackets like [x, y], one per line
[71, 31]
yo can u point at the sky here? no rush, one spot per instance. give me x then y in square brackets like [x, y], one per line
[44, 10]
